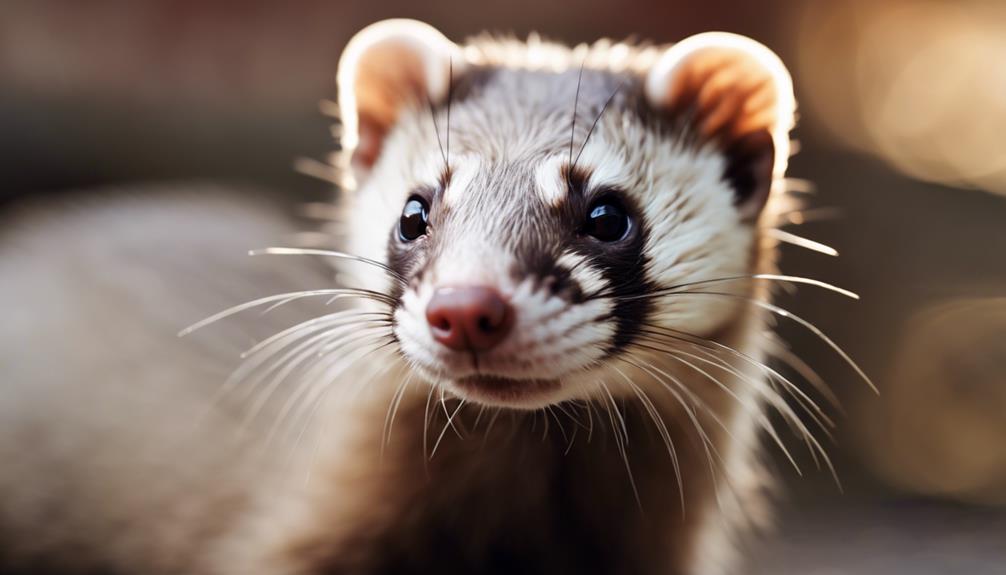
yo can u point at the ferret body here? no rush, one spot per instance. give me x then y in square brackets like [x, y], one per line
[548, 361]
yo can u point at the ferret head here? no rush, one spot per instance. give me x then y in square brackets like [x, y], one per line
[536, 199]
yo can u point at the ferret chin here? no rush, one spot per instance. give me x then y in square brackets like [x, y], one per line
[545, 352]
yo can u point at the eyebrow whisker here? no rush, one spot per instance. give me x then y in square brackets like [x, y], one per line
[576, 103]
[596, 120]
[450, 98]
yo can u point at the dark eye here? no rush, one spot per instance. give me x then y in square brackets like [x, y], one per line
[413, 221]
[607, 221]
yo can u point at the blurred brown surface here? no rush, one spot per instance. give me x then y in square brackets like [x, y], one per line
[119, 90]
[122, 90]
[882, 537]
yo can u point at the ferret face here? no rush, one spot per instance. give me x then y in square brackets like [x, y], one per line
[537, 211]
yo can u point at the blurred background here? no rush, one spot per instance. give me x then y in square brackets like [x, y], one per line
[902, 142]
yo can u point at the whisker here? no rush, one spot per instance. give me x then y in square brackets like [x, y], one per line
[648, 368]
[384, 325]
[545, 424]
[805, 401]
[710, 345]
[620, 442]
[351, 315]
[590, 420]
[810, 406]
[812, 441]
[317, 169]
[708, 446]
[448, 425]
[576, 102]
[256, 356]
[801, 216]
[562, 429]
[806, 324]
[308, 421]
[618, 414]
[577, 424]
[426, 429]
[396, 401]
[341, 292]
[450, 420]
[295, 354]
[567, 413]
[778, 350]
[596, 120]
[679, 288]
[478, 416]
[310, 391]
[760, 417]
[572, 440]
[800, 241]
[346, 337]
[490, 425]
[450, 98]
[714, 346]
[436, 130]
[665, 434]
[318, 398]
[282, 251]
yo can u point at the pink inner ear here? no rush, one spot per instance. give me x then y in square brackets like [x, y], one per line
[731, 101]
[389, 77]
[368, 146]
[728, 95]
[386, 68]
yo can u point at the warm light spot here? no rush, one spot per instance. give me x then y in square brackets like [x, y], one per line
[920, 84]
[938, 427]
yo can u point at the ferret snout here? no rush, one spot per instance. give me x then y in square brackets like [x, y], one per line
[471, 318]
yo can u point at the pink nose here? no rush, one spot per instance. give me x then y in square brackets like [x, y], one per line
[469, 318]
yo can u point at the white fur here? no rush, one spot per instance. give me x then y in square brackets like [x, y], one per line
[695, 232]
[590, 279]
[549, 340]
[548, 175]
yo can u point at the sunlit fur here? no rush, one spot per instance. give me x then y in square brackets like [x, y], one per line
[520, 121]
[343, 444]
[523, 120]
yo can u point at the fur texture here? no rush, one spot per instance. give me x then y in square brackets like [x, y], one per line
[631, 444]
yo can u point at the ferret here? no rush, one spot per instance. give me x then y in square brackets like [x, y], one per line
[545, 352]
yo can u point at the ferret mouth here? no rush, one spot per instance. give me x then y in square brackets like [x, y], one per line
[505, 391]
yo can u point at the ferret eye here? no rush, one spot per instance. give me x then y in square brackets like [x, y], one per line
[413, 222]
[607, 221]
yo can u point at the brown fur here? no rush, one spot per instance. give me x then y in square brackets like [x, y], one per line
[116, 480]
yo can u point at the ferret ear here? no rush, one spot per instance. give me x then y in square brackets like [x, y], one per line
[385, 67]
[736, 94]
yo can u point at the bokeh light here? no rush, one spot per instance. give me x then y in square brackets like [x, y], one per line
[925, 88]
